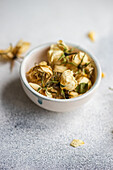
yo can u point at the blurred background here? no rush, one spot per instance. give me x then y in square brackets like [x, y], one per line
[31, 137]
[45, 21]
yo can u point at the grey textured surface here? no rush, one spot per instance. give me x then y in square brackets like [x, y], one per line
[33, 138]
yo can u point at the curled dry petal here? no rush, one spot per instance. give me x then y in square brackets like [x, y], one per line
[46, 69]
[68, 80]
[60, 68]
[52, 89]
[81, 57]
[73, 94]
[84, 80]
[54, 55]
[34, 86]
[62, 45]
[43, 63]
[48, 94]
[89, 68]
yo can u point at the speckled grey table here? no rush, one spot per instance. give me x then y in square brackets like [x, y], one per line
[32, 138]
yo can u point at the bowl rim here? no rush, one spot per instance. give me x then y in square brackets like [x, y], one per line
[25, 82]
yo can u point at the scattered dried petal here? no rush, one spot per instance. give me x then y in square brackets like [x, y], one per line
[91, 35]
[103, 75]
[76, 143]
[13, 53]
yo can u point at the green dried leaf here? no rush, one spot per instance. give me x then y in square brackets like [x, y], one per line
[67, 54]
[82, 58]
[42, 80]
[86, 64]
[82, 88]
[62, 56]
[63, 93]
[53, 81]
[65, 49]
[64, 59]
[71, 50]
[62, 85]
[74, 56]
[72, 63]
[38, 89]
[80, 66]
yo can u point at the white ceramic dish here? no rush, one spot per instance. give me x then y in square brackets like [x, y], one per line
[59, 105]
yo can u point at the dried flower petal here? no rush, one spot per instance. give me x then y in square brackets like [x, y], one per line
[60, 68]
[7, 54]
[43, 63]
[91, 35]
[68, 80]
[103, 75]
[73, 94]
[62, 45]
[12, 53]
[48, 94]
[34, 86]
[46, 69]
[76, 143]
[54, 55]
[21, 48]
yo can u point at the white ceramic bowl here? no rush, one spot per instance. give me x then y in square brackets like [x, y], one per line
[59, 105]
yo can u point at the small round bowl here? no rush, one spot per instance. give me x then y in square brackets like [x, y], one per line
[59, 105]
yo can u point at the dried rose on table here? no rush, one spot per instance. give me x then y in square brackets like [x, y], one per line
[12, 53]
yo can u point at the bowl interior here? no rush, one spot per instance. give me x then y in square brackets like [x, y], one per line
[39, 54]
